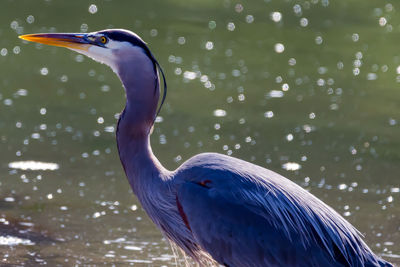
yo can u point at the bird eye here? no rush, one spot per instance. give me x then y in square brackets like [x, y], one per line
[103, 39]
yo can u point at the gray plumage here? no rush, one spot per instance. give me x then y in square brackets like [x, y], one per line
[214, 207]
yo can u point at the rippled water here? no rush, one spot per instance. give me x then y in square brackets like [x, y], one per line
[309, 89]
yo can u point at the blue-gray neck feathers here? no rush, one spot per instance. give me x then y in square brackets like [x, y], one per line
[138, 73]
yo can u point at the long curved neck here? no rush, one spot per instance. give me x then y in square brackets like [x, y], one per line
[140, 164]
[140, 79]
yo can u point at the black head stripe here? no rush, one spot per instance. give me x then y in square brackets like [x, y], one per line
[127, 36]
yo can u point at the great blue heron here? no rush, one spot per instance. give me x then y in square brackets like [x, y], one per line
[216, 208]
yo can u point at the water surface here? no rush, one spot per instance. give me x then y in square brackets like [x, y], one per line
[309, 89]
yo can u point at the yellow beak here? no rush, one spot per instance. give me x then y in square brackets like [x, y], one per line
[77, 41]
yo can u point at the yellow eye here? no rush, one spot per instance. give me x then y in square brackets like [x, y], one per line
[103, 39]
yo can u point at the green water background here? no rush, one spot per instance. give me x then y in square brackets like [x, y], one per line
[329, 104]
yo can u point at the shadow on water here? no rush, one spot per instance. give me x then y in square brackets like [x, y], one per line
[21, 239]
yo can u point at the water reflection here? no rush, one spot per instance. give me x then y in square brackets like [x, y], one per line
[13, 241]
[16, 232]
[33, 165]
[291, 166]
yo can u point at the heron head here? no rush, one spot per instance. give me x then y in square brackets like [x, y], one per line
[120, 49]
[108, 46]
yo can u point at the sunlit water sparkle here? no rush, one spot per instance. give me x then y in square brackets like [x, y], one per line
[33, 165]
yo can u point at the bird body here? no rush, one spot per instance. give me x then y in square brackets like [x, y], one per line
[246, 215]
[216, 208]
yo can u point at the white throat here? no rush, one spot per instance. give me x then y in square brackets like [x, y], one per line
[110, 54]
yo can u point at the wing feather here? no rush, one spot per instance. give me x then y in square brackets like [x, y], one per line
[250, 211]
